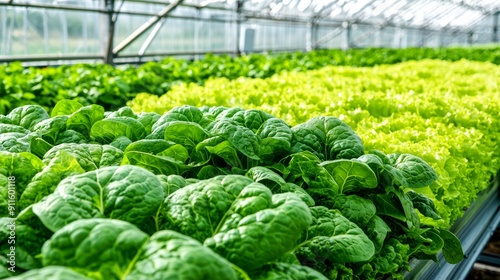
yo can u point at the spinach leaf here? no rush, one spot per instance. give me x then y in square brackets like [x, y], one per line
[305, 170]
[185, 113]
[50, 272]
[6, 128]
[328, 138]
[452, 249]
[50, 129]
[65, 107]
[276, 271]
[355, 208]
[89, 156]
[423, 204]
[350, 175]
[240, 137]
[333, 237]
[417, 173]
[44, 183]
[15, 142]
[157, 164]
[127, 192]
[28, 116]
[84, 118]
[113, 249]
[107, 130]
[148, 119]
[233, 212]
[277, 184]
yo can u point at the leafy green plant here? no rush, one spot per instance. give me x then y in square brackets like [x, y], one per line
[112, 87]
[211, 192]
[446, 113]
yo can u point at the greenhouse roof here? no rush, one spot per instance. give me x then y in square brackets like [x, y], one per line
[431, 14]
[34, 30]
[428, 13]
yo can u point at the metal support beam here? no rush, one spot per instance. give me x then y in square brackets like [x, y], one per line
[151, 37]
[314, 35]
[423, 38]
[495, 38]
[146, 26]
[108, 56]
[470, 38]
[347, 44]
[239, 8]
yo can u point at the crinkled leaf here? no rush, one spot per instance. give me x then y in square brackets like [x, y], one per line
[107, 130]
[412, 219]
[355, 208]
[22, 166]
[185, 113]
[224, 150]
[328, 138]
[319, 183]
[6, 128]
[15, 142]
[351, 176]
[277, 184]
[155, 163]
[28, 116]
[121, 143]
[266, 177]
[388, 205]
[417, 173]
[50, 272]
[452, 249]
[44, 183]
[377, 230]
[284, 271]
[226, 210]
[240, 137]
[333, 237]
[177, 152]
[171, 183]
[100, 245]
[175, 256]
[39, 147]
[71, 136]
[122, 112]
[84, 118]
[89, 156]
[127, 193]
[65, 107]
[150, 146]
[282, 223]
[424, 204]
[148, 119]
[185, 133]
[112, 249]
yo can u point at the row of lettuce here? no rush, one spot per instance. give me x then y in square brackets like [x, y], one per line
[447, 113]
[111, 87]
[206, 193]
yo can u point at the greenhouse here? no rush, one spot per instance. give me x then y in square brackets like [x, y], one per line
[250, 140]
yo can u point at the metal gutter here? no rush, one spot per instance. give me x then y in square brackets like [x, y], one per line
[474, 230]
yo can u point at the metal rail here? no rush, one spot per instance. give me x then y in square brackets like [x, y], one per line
[474, 230]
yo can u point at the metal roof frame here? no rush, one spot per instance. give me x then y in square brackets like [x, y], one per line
[405, 14]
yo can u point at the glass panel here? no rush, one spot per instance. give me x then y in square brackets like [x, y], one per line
[33, 31]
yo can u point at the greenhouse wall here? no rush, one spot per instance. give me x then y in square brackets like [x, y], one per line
[35, 30]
